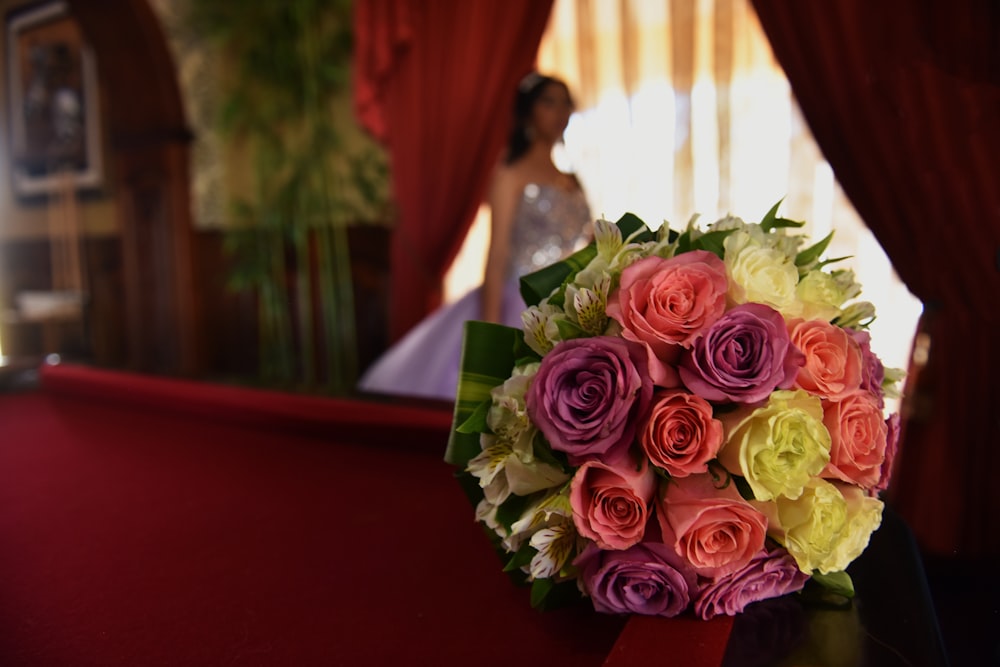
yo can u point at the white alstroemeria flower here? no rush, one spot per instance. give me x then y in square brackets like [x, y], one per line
[607, 239]
[614, 254]
[486, 512]
[553, 508]
[502, 470]
[488, 467]
[541, 332]
[526, 475]
[508, 413]
[555, 545]
[587, 305]
[857, 315]
[891, 380]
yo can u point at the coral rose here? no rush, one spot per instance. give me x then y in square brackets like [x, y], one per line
[666, 303]
[681, 435]
[709, 525]
[611, 503]
[858, 435]
[833, 359]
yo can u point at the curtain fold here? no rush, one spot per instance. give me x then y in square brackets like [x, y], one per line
[435, 82]
[903, 99]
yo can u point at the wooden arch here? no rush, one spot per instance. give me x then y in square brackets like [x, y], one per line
[149, 143]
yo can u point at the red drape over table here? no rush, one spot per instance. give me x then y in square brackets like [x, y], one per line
[435, 81]
[903, 99]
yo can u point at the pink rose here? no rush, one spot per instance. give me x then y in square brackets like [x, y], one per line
[834, 362]
[712, 528]
[681, 435]
[611, 503]
[872, 370]
[857, 438]
[666, 303]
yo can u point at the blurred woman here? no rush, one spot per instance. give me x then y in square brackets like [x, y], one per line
[539, 214]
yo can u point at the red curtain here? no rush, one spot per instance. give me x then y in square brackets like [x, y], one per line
[435, 81]
[903, 98]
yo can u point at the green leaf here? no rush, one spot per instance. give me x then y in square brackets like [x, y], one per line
[829, 591]
[787, 222]
[540, 284]
[540, 588]
[569, 329]
[713, 242]
[684, 242]
[476, 423]
[487, 361]
[839, 583]
[811, 254]
[630, 223]
[767, 222]
[772, 221]
[521, 558]
[825, 262]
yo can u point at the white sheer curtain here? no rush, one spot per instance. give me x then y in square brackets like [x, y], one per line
[682, 109]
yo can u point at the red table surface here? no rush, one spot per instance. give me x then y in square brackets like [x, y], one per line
[149, 521]
[133, 533]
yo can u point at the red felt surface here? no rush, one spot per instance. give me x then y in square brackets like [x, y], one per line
[684, 641]
[135, 535]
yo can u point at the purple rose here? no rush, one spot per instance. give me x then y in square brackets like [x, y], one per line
[648, 578]
[589, 396]
[891, 449]
[767, 575]
[742, 358]
[872, 370]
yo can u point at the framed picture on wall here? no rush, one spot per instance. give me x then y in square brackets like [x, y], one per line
[52, 102]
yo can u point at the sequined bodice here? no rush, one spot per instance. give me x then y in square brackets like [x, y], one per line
[550, 223]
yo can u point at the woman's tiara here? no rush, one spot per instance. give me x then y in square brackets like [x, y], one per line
[531, 80]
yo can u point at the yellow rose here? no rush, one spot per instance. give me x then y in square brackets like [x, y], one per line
[826, 527]
[778, 447]
[821, 295]
[760, 273]
[864, 516]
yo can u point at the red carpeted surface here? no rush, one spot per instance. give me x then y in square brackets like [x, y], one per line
[136, 533]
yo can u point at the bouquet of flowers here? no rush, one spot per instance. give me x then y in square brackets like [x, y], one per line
[689, 420]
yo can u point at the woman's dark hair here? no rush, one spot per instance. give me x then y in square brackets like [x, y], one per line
[528, 92]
